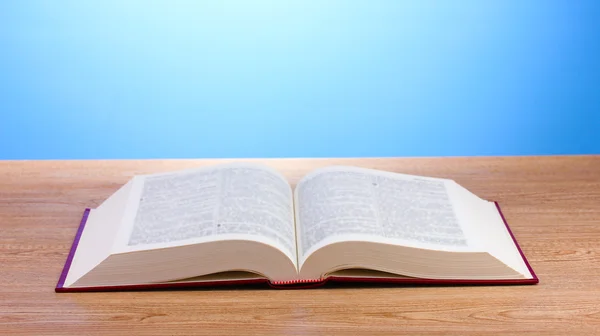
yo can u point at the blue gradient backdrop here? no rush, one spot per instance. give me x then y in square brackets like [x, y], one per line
[172, 79]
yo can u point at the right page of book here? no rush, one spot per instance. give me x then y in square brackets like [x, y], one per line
[340, 203]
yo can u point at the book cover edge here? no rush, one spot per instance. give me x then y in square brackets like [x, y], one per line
[157, 286]
[71, 255]
[534, 276]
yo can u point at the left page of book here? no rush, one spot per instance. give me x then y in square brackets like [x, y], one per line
[230, 201]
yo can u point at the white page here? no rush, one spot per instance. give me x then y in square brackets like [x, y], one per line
[338, 201]
[224, 201]
[175, 207]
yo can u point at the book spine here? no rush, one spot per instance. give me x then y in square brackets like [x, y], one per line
[297, 281]
[297, 284]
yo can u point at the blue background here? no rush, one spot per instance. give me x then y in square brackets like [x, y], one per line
[174, 79]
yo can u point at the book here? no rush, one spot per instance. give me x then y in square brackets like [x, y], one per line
[243, 223]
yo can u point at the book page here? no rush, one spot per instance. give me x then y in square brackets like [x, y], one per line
[240, 199]
[339, 201]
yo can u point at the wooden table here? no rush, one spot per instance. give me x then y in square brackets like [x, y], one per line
[551, 203]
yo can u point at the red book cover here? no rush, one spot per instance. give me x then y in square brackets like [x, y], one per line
[300, 284]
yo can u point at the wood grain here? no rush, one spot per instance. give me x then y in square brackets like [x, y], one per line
[551, 203]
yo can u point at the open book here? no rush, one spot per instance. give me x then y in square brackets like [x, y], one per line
[244, 223]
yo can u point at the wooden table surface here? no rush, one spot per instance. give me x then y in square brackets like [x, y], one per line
[551, 203]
